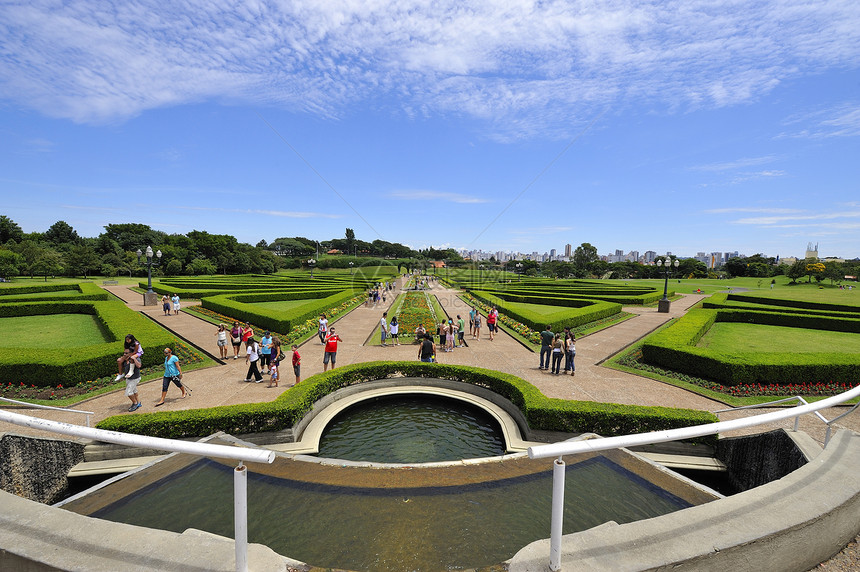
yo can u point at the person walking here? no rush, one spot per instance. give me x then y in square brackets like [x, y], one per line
[323, 329]
[175, 300]
[330, 354]
[165, 305]
[557, 353]
[132, 344]
[427, 350]
[221, 337]
[172, 374]
[394, 330]
[297, 364]
[252, 358]
[472, 313]
[236, 338]
[266, 353]
[132, 365]
[476, 330]
[383, 329]
[492, 316]
[449, 336]
[570, 353]
[461, 334]
[546, 338]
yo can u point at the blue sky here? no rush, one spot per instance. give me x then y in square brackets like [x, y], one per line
[683, 125]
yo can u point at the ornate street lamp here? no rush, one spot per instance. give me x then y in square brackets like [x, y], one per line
[149, 299]
[519, 267]
[663, 305]
[312, 263]
[481, 273]
[351, 269]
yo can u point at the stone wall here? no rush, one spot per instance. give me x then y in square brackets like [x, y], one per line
[37, 468]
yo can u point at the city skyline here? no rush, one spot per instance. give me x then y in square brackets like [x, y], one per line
[686, 127]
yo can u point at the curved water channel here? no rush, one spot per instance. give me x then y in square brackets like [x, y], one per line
[399, 518]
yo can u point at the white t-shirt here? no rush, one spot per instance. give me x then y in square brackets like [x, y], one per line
[382, 325]
[252, 352]
[393, 329]
[323, 325]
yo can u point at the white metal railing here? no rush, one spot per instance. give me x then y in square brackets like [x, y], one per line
[594, 445]
[36, 406]
[240, 474]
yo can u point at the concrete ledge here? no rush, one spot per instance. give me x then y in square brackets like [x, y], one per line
[791, 524]
[36, 538]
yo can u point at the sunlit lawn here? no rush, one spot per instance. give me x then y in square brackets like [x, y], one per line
[66, 330]
[282, 305]
[729, 338]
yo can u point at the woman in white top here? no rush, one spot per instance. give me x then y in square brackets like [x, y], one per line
[221, 336]
[323, 329]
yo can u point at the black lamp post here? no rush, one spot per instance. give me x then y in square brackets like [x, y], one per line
[351, 269]
[519, 267]
[312, 263]
[149, 297]
[663, 305]
[481, 272]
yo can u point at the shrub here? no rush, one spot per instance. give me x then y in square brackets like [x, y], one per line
[541, 412]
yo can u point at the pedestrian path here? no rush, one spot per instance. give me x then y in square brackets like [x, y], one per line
[223, 384]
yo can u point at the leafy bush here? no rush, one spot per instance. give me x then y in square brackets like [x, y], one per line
[541, 412]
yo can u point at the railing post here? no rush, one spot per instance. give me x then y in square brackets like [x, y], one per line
[557, 515]
[240, 516]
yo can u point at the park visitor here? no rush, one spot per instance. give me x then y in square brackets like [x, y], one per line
[449, 336]
[297, 364]
[221, 337]
[492, 316]
[252, 358]
[323, 328]
[266, 353]
[394, 330]
[419, 333]
[472, 313]
[461, 326]
[427, 351]
[557, 353]
[247, 333]
[132, 344]
[273, 371]
[476, 329]
[546, 338]
[570, 353]
[165, 304]
[383, 329]
[330, 354]
[175, 300]
[172, 373]
[131, 363]
[236, 338]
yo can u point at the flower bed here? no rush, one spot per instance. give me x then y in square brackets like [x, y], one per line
[415, 310]
[634, 360]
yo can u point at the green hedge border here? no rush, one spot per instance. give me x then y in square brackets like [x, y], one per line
[541, 412]
[52, 363]
[589, 311]
[85, 291]
[675, 348]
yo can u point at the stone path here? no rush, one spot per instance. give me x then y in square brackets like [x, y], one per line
[224, 385]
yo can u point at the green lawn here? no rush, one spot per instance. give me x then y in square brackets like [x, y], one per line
[283, 305]
[541, 309]
[38, 295]
[69, 330]
[731, 337]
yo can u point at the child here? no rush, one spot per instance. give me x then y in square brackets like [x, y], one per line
[394, 331]
[134, 346]
[297, 363]
[273, 369]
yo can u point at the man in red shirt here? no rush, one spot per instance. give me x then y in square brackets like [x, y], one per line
[297, 363]
[331, 341]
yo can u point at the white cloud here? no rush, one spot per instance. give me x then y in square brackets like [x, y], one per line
[736, 164]
[524, 67]
[436, 196]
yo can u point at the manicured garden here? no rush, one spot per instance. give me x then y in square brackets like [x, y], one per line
[70, 330]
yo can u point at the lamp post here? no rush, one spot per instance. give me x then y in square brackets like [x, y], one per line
[519, 267]
[351, 269]
[663, 305]
[481, 272]
[149, 299]
[312, 263]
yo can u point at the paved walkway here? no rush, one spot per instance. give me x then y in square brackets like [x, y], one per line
[224, 385]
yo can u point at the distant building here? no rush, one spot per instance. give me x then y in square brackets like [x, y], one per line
[567, 250]
[649, 257]
[811, 252]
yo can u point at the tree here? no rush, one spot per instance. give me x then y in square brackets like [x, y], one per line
[10, 263]
[173, 268]
[82, 259]
[584, 254]
[49, 263]
[736, 266]
[9, 230]
[796, 270]
[61, 232]
[833, 271]
[200, 266]
[758, 269]
[349, 246]
[815, 270]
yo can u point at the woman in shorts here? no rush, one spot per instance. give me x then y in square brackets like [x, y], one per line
[221, 336]
[236, 338]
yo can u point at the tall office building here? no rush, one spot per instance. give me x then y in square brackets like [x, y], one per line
[567, 250]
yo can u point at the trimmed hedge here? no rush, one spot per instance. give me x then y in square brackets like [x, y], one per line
[53, 363]
[741, 302]
[540, 411]
[240, 307]
[675, 348]
[82, 291]
[588, 311]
